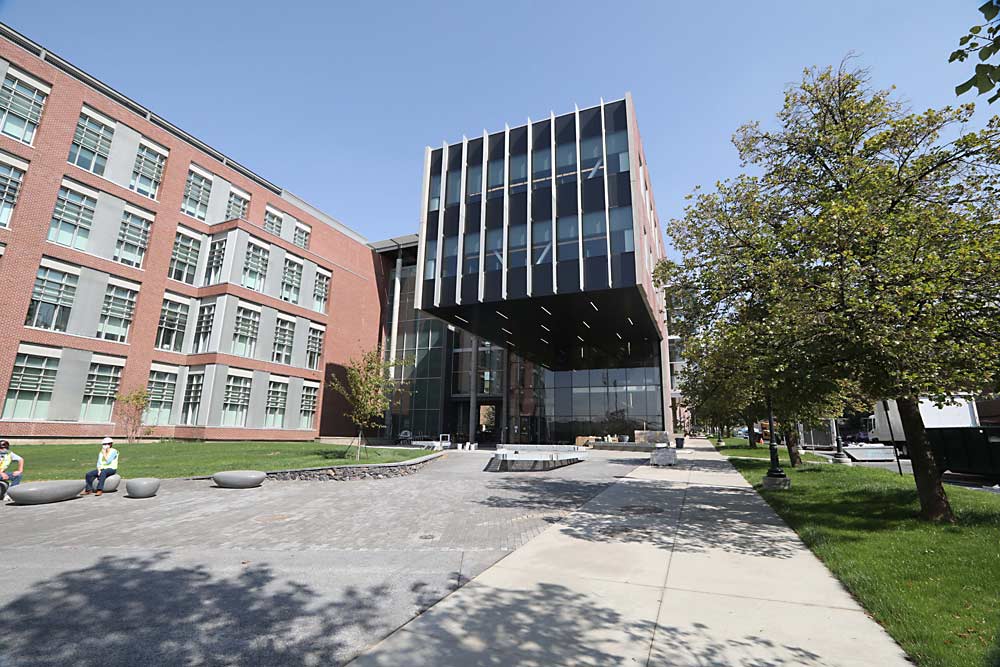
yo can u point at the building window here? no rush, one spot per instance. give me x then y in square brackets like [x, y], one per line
[238, 206]
[99, 392]
[30, 387]
[255, 267]
[192, 398]
[196, 194]
[302, 234]
[148, 171]
[20, 109]
[291, 281]
[236, 401]
[91, 144]
[161, 388]
[277, 399]
[10, 186]
[216, 256]
[116, 313]
[173, 322]
[273, 222]
[245, 332]
[203, 328]
[314, 348]
[184, 258]
[307, 407]
[51, 299]
[284, 338]
[321, 292]
[72, 219]
[133, 239]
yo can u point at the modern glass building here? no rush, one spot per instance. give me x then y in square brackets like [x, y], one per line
[536, 248]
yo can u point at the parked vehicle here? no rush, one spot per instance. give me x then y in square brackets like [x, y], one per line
[887, 428]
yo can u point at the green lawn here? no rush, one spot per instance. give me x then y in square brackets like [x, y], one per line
[738, 447]
[187, 459]
[936, 589]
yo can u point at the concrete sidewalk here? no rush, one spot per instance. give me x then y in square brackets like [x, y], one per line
[670, 566]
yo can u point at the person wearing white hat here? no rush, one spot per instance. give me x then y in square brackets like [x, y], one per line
[107, 465]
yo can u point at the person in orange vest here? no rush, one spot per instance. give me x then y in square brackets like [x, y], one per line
[107, 465]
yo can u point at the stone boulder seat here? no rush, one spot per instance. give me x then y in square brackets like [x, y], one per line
[39, 493]
[239, 479]
[111, 483]
[142, 487]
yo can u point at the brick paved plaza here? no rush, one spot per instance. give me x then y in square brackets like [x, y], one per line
[290, 573]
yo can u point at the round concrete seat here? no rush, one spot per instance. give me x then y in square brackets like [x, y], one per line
[111, 483]
[38, 493]
[239, 479]
[142, 487]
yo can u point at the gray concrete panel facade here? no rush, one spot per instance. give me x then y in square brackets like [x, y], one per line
[107, 222]
[121, 158]
[258, 399]
[70, 381]
[86, 311]
[265, 335]
[218, 200]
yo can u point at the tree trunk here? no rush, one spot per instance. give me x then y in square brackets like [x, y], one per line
[934, 505]
[792, 445]
[750, 434]
[361, 434]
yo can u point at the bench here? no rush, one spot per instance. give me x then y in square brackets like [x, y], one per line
[526, 458]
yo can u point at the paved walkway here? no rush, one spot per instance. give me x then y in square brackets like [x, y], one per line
[678, 566]
[291, 573]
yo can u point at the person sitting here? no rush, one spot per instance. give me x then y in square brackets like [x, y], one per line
[11, 478]
[107, 465]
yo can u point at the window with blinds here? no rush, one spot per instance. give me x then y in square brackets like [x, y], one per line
[173, 322]
[314, 347]
[30, 388]
[291, 281]
[255, 267]
[10, 187]
[147, 171]
[99, 392]
[273, 222]
[51, 299]
[116, 313]
[133, 240]
[277, 399]
[203, 328]
[236, 401]
[162, 387]
[216, 257]
[307, 407]
[184, 259]
[284, 339]
[238, 206]
[20, 109]
[321, 292]
[301, 237]
[245, 332]
[91, 144]
[192, 398]
[72, 219]
[196, 194]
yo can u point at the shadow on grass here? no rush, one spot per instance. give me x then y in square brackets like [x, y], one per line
[331, 454]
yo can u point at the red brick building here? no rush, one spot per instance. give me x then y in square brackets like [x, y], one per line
[133, 255]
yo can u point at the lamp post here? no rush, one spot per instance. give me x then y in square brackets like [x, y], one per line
[776, 477]
[839, 456]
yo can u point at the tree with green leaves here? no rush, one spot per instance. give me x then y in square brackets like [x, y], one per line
[983, 41]
[883, 250]
[368, 389]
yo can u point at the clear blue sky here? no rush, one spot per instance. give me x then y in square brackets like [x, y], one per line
[335, 101]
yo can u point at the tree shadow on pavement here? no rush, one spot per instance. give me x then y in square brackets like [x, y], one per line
[697, 644]
[735, 520]
[148, 611]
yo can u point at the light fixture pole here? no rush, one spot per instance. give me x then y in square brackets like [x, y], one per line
[776, 477]
[839, 456]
